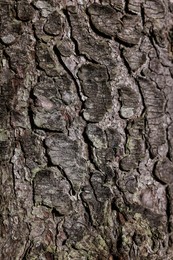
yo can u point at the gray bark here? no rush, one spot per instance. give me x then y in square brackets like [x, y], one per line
[86, 129]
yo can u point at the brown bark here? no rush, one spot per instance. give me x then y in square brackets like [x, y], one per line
[86, 132]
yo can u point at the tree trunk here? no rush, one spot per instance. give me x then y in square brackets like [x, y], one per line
[86, 130]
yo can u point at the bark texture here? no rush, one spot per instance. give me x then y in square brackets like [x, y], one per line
[86, 129]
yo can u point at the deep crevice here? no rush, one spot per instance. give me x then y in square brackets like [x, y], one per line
[73, 192]
[126, 131]
[143, 15]
[30, 112]
[56, 213]
[126, 8]
[154, 175]
[151, 38]
[27, 251]
[77, 51]
[168, 155]
[87, 210]
[168, 210]
[90, 182]
[89, 146]
[71, 37]
[14, 181]
[124, 60]
[58, 55]
[49, 161]
[50, 164]
[142, 97]
[33, 193]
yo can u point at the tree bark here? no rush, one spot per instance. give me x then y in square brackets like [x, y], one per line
[86, 130]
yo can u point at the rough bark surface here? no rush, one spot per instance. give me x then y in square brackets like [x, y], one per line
[86, 129]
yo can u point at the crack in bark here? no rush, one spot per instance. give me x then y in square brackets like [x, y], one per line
[168, 211]
[134, 209]
[58, 55]
[73, 192]
[78, 53]
[90, 152]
